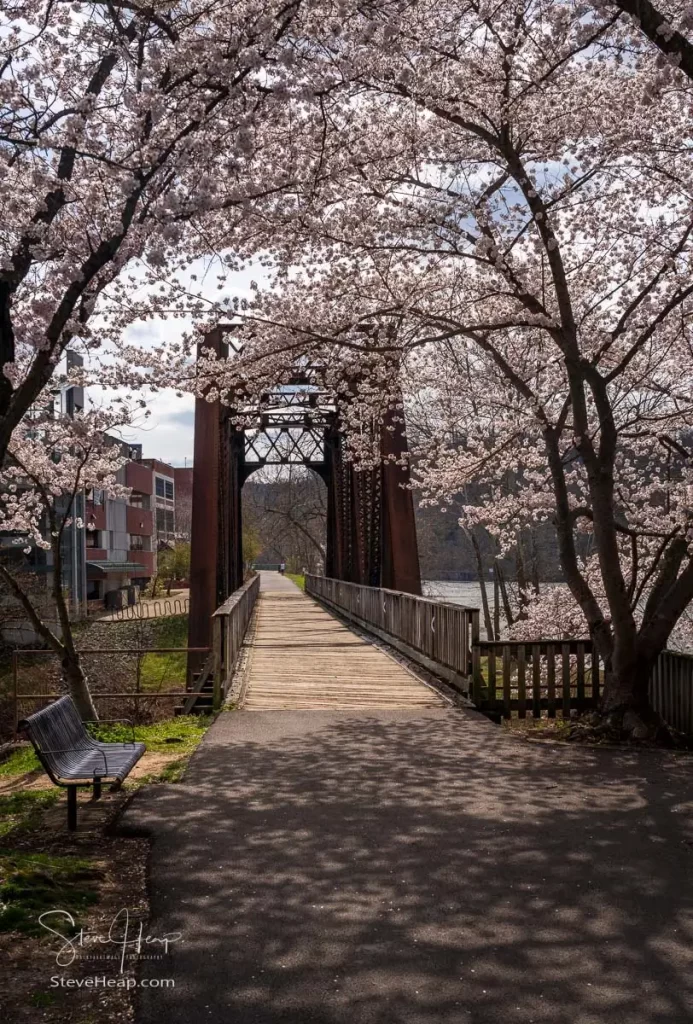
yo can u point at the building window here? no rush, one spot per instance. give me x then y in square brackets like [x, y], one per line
[164, 521]
[138, 500]
[169, 489]
[92, 539]
[159, 485]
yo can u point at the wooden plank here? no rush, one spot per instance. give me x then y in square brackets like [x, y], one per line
[477, 678]
[506, 681]
[303, 657]
[521, 684]
[580, 677]
[217, 640]
[551, 679]
[565, 676]
[536, 681]
[491, 674]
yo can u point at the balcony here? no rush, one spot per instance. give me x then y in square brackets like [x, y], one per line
[139, 521]
[139, 477]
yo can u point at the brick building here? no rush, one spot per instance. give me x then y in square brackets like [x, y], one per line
[124, 535]
[183, 477]
[163, 501]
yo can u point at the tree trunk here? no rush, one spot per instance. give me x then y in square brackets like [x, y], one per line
[522, 586]
[507, 610]
[496, 603]
[488, 625]
[627, 689]
[535, 563]
[625, 702]
[76, 680]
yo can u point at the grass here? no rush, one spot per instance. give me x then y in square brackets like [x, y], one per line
[171, 631]
[33, 883]
[23, 810]
[19, 763]
[173, 735]
[542, 728]
[298, 579]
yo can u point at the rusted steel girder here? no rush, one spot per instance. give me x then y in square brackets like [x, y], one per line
[216, 558]
[400, 554]
[371, 529]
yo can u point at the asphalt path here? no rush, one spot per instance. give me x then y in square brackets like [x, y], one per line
[418, 867]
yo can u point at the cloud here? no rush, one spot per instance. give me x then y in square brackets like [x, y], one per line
[168, 432]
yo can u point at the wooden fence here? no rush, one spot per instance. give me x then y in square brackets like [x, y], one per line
[230, 623]
[439, 633]
[671, 689]
[544, 675]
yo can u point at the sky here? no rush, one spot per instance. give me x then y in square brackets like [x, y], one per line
[168, 433]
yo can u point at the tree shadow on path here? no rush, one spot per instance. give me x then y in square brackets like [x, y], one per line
[418, 868]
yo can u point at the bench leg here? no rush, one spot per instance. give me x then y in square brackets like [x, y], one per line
[72, 808]
[97, 791]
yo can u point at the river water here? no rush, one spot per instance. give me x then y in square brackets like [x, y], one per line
[468, 594]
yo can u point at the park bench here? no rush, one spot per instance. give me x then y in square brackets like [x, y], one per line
[72, 757]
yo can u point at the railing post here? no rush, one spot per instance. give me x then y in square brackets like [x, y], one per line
[474, 638]
[15, 687]
[218, 661]
[477, 678]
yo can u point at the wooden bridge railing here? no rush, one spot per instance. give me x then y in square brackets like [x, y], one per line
[230, 622]
[432, 631]
[501, 677]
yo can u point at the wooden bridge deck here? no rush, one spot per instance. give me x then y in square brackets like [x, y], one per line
[303, 658]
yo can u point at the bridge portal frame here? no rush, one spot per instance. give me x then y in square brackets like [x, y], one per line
[371, 531]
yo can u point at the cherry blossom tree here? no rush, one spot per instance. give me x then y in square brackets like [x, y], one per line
[667, 26]
[52, 459]
[133, 139]
[506, 229]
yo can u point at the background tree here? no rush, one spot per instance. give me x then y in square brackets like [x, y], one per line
[173, 564]
[132, 140]
[286, 510]
[52, 459]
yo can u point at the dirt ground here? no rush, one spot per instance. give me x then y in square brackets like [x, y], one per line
[34, 987]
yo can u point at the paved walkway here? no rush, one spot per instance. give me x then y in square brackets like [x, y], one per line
[304, 658]
[418, 867]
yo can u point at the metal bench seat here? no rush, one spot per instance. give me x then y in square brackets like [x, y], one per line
[105, 763]
[72, 757]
